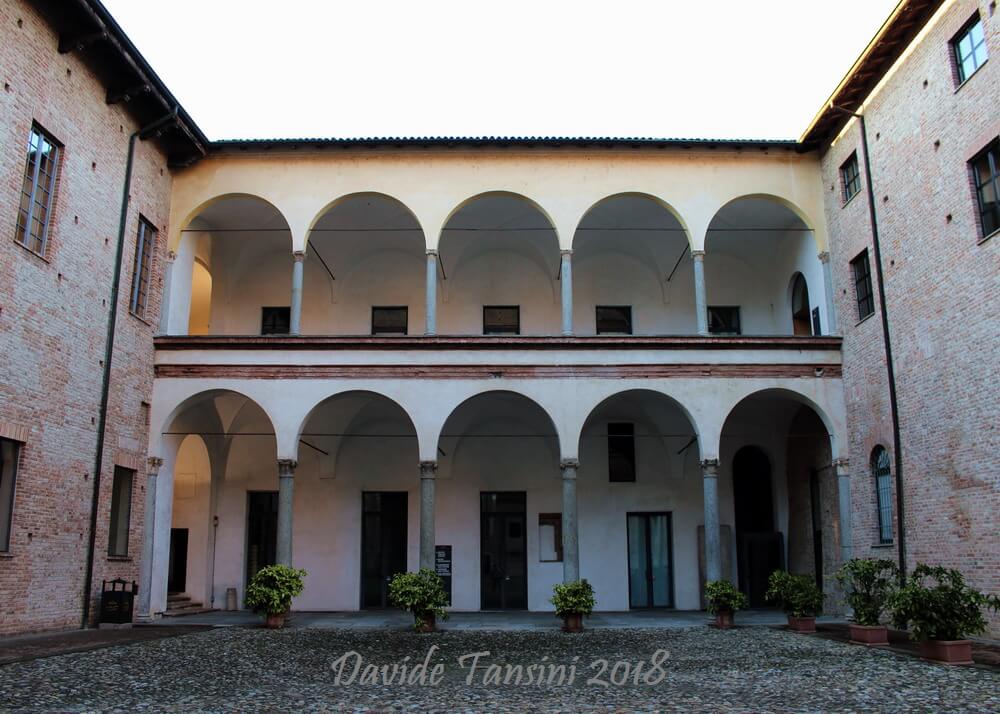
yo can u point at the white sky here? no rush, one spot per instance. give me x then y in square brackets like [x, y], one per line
[674, 68]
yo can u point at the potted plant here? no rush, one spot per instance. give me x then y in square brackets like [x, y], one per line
[724, 600]
[422, 594]
[798, 596]
[573, 601]
[868, 583]
[941, 611]
[271, 591]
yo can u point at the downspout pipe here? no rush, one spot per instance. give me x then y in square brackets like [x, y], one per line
[109, 347]
[897, 446]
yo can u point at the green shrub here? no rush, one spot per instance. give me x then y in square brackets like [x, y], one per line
[420, 593]
[936, 604]
[576, 598]
[797, 595]
[272, 588]
[868, 583]
[723, 596]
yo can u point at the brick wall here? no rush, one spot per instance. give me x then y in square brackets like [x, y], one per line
[942, 282]
[53, 321]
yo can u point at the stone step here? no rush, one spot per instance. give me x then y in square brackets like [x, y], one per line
[180, 612]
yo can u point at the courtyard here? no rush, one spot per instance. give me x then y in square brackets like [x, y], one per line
[679, 668]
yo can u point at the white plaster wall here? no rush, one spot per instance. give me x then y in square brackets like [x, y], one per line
[192, 481]
[249, 271]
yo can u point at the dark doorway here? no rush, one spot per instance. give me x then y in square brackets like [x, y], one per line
[801, 317]
[817, 527]
[759, 547]
[262, 530]
[178, 560]
[504, 564]
[383, 544]
[650, 561]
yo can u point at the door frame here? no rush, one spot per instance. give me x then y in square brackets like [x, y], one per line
[361, 543]
[649, 554]
[482, 543]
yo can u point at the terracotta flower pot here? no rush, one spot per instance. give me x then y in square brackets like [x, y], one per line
[947, 651]
[802, 624]
[870, 635]
[573, 622]
[724, 619]
[275, 622]
[428, 623]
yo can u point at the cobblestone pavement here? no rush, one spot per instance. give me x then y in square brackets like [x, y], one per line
[749, 668]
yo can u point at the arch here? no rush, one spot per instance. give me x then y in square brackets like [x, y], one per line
[208, 203]
[346, 392]
[807, 221]
[494, 193]
[635, 194]
[520, 396]
[201, 397]
[359, 194]
[796, 397]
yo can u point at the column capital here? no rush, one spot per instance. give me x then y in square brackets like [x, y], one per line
[709, 467]
[842, 466]
[432, 251]
[154, 462]
[824, 256]
[286, 467]
[298, 255]
[428, 469]
[171, 256]
[568, 252]
[698, 254]
[569, 465]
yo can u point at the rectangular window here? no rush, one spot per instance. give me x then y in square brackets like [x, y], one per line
[550, 537]
[275, 320]
[614, 319]
[969, 47]
[37, 190]
[121, 511]
[724, 320]
[501, 320]
[986, 175]
[850, 178]
[861, 269]
[9, 451]
[621, 453]
[389, 320]
[145, 243]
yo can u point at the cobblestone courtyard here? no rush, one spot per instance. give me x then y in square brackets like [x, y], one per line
[751, 668]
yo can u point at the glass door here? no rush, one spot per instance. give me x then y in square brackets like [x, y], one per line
[383, 544]
[504, 562]
[650, 565]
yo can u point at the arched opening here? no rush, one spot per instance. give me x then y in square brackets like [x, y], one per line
[233, 270]
[632, 269]
[780, 432]
[753, 244]
[500, 260]
[759, 550]
[498, 475]
[640, 503]
[219, 529]
[364, 269]
[802, 317]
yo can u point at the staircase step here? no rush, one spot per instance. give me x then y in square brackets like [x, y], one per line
[180, 612]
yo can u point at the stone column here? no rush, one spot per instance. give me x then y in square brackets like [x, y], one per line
[286, 486]
[700, 301]
[566, 280]
[295, 321]
[168, 283]
[713, 546]
[843, 471]
[148, 530]
[431, 293]
[428, 472]
[831, 306]
[570, 531]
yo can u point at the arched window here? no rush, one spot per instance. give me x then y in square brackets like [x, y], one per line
[882, 473]
[801, 318]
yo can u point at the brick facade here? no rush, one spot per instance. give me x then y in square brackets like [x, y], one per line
[53, 322]
[942, 288]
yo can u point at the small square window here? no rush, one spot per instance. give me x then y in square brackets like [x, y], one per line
[969, 47]
[550, 538]
[986, 177]
[861, 269]
[621, 453]
[724, 320]
[121, 511]
[275, 320]
[145, 243]
[501, 320]
[389, 320]
[614, 319]
[850, 178]
[9, 452]
[37, 190]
